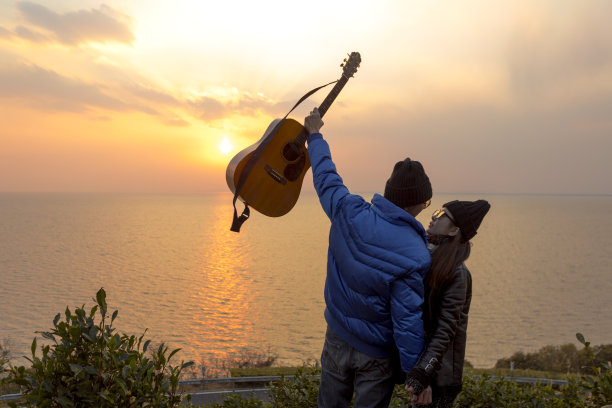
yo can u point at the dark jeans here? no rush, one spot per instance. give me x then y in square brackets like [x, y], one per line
[345, 369]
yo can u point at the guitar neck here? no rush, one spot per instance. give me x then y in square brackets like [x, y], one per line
[331, 97]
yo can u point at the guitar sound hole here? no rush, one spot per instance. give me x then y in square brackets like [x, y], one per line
[292, 171]
[291, 152]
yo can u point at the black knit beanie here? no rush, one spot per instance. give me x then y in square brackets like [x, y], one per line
[408, 184]
[468, 215]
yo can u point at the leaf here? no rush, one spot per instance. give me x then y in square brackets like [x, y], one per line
[117, 339]
[34, 347]
[173, 353]
[115, 313]
[125, 371]
[112, 342]
[146, 345]
[101, 299]
[47, 335]
[187, 364]
[76, 368]
[91, 370]
[57, 317]
[64, 402]
[93, 332]
[123, 386]
[580, 338]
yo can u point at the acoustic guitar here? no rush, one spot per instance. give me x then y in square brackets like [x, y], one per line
[274, 182]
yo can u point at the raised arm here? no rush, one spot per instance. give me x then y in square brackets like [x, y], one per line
[327, 182]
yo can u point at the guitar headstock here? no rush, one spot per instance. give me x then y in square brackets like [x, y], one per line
[351, 64]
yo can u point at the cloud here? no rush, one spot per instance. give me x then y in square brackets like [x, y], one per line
[153, 95]
[547, 51]
[47, 90]
[246, 104]
[30, 35]
[4, 33]
[177, 122]
[96, 25]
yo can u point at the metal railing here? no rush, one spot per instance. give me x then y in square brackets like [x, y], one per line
[269, 378]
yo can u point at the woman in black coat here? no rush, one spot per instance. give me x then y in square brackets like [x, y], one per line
[435, 380]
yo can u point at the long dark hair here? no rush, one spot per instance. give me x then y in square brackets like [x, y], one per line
[449, 254]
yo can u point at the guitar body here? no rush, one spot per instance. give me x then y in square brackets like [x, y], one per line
[274, 183]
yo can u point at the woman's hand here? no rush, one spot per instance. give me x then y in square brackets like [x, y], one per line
[424, 398]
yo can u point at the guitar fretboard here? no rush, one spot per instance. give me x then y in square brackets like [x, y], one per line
[332, 95]
[329, 99]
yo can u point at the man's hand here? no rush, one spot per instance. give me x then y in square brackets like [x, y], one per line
[424, 398]
[313, 122]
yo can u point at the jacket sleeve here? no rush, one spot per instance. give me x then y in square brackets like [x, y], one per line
[328, 184]
[451, 315]
[406, 312]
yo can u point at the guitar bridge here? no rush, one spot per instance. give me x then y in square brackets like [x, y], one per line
[275, 175]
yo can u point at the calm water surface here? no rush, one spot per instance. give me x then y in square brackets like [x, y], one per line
[541, 267]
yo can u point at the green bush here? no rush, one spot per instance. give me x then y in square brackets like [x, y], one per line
[599, 384]
[3, 361]
[479, 391]
[562, 359]
[5, 355]
[239, 401]
[484, 392]
[88, 364]
[300, 391]
[590, 391]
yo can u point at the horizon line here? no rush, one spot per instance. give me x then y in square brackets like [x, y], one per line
[363, 192]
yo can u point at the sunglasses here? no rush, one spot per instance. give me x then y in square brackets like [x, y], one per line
[439, 213]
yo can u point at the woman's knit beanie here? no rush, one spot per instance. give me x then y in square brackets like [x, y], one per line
[468, 215]
[408, 184]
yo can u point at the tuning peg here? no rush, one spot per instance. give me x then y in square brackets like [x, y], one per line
[342, 65]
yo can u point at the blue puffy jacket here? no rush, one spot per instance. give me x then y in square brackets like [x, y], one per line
[376, 262]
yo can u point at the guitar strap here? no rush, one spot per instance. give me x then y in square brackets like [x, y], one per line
[239, 220]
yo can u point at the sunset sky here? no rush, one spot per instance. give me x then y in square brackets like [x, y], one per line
[157, 96]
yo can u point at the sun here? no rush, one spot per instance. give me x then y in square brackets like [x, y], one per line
[225, 146]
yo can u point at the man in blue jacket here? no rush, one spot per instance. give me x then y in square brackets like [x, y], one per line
[376, 262]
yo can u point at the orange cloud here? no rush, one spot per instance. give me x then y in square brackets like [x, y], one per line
[50, 91]
[211, 108]
[96, 25]
[30, 35]
[4, 33]
[547, 52]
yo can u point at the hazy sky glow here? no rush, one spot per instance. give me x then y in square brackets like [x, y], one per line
[157, 96]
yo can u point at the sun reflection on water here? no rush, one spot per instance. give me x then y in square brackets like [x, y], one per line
[222, 297]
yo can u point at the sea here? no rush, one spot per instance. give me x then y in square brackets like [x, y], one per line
[541, 268]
